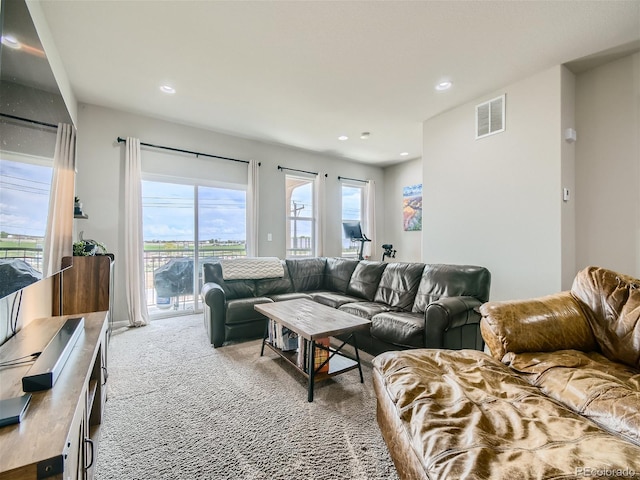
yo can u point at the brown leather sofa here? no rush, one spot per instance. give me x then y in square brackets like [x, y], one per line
[410, 305]
[558, 398]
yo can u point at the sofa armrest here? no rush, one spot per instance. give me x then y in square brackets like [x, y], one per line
[214, 300]
[543, 324]
[447, 313]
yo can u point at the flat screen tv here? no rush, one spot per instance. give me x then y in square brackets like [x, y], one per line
[31, 109]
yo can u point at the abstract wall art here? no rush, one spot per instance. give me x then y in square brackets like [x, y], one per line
[412, 208]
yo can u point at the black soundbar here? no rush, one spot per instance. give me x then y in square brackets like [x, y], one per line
[45, 371]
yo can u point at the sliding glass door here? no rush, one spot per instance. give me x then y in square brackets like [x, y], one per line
[185, 224]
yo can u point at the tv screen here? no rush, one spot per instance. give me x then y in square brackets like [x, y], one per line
[32, 106]
[352, 230]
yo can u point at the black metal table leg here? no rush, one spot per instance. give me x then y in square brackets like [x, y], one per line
[355, 347]
[264, 337]
[312, 369]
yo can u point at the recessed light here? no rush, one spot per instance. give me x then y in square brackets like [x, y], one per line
[404, 154]
[168, 89]
[11, 42]
[446, 85]
[343, 137]
[365, 135]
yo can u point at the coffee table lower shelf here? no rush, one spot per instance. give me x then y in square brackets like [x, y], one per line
[338, 363]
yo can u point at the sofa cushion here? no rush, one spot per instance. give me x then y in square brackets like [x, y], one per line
[273, 286]
[333, 299]
[588, 383]
[337, 273]
[399, 284]
[241, 310]
[542, 324]
[613, 302]
[212, 272]
[451, 281]
[281, 297]
[365, 279]
[366, 309]
[306, 273]
[462, 414]
[405, 329]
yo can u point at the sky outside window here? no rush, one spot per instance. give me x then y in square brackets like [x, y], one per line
[168, 212]
[351, 211]
[24, 198]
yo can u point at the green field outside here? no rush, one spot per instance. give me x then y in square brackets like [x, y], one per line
[237, 249]
[20, 243]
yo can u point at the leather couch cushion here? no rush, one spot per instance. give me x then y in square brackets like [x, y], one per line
[399, 284]
[405, 329]
[282, 297]
[613, 302]
[273, 286]
[366, 309]
[241, 310]
[333, 299]
[365, 279]
[451, 281]
[464, 414]
[543, 324]
[212, 272]
[337, 273]
[306, 273]
[588, 383]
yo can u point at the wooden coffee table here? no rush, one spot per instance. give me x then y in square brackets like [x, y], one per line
[313, 321]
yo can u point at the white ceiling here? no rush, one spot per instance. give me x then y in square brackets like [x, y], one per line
[301, 73]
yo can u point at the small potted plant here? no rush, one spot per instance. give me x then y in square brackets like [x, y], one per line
[88, 248]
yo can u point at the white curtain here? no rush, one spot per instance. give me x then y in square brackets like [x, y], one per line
[252, 209]
[133, 241]
[319, 190]
[59, 233]
[370, 248]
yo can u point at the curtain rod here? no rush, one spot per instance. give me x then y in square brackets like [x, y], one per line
[36, 122]
[197, 154]
[352, 179]
[301, 171]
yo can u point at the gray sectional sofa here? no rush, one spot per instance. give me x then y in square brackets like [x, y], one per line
[410, 305]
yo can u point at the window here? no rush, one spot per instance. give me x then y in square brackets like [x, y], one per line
[181, 222]
[300, 223]
[352, 208]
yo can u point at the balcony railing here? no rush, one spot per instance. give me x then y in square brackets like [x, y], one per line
[31, 255]
[156, 258]
[153, 259]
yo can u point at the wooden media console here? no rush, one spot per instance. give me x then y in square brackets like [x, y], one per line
[57, 438]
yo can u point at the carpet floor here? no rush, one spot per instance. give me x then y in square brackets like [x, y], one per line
[179, 409]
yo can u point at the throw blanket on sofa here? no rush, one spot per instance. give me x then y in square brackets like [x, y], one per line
[251, 268]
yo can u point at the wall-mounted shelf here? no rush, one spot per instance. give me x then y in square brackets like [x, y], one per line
[83, 215]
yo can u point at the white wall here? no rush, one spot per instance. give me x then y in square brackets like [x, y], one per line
[608, 166]
[568, 175]
[496, 201]
[99, 180]
[396, 177]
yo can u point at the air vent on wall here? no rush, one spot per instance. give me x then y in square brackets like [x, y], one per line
[490, 117]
